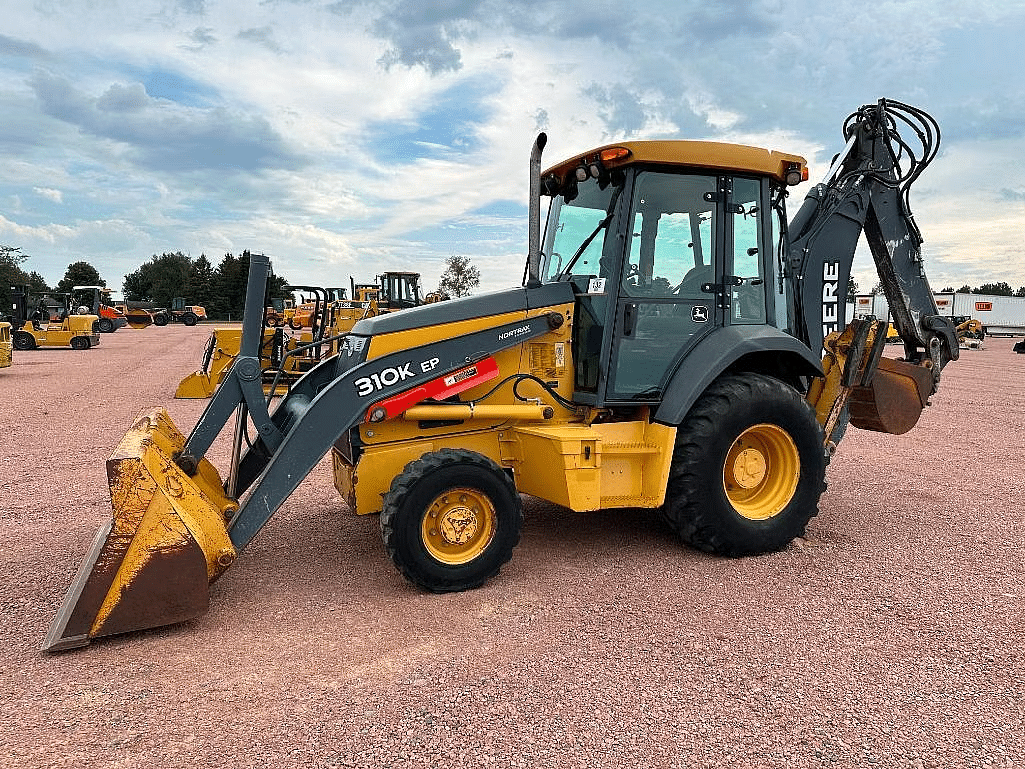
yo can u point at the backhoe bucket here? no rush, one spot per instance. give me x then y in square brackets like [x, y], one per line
[152, 563]
[894, 400]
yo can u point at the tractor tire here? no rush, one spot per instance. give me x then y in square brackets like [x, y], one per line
[23, 340]
[160, 319]
[293, 325]
[190, 319]
[748, 468]
[450, 520]
[106, 326]
[80, 343]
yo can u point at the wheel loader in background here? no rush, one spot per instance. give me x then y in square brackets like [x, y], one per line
[676, 345]
[96, 301]
[37, 323]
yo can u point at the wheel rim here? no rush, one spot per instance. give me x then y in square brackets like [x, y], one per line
[458, 526]
[761, 472]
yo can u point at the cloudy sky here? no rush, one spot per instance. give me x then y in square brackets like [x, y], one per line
[346, 138]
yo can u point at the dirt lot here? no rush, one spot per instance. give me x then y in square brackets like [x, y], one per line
[891, 635]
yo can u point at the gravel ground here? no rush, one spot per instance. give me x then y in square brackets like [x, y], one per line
[890, 635]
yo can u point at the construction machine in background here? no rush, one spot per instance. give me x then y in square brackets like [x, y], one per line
[96, 301]
[37, 322]
[676, 345]
[6, 346]
[327, 312]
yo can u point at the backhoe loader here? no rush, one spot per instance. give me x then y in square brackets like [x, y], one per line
[676, 345]
[328, 314]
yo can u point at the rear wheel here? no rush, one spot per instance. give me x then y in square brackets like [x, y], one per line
[105, 326]
[451, 520]
[190, 319]
[80, 343]
[292, 324]
[748, 468]
[160, 319]
[23, 340]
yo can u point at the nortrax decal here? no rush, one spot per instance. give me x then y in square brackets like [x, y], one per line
[514, 332]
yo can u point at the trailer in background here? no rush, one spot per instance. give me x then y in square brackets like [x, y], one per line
[1000, 315]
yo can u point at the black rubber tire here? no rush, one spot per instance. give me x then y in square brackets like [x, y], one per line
[160, 319]
[106, 326]
[23, 340]
[190, 319]
[697, 506]
[80, 343]
[407, 503]
[292, 325]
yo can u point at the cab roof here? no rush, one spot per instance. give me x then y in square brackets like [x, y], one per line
[717, 156]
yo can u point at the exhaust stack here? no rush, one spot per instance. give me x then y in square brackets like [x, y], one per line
[534, 221]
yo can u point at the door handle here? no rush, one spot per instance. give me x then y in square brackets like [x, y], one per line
[629, 318]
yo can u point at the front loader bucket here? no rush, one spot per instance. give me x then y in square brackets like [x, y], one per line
[152, 563]
[895, 398]
[196, 385]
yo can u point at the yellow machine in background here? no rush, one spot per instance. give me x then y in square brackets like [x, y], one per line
[6, 347]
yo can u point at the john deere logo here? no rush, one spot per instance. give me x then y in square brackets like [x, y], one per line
[699, 313]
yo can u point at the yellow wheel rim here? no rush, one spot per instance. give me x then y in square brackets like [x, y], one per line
[761, 472]
[458, 526]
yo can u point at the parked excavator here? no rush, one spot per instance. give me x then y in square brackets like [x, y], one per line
[676, 345]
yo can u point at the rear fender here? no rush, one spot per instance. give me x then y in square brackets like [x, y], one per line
[753, 348]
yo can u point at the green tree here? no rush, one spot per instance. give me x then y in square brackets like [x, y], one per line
[201, 282]
[852, 290]
[79, 274]
[996, 289]
[459, 278]
[965, 289]
[1020, 291]
[947, 290]
[160, 279]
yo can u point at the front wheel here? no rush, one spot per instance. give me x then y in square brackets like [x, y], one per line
[80, 343]
[160, 319]
[450, 520]
[748, 468]
[106, 326]
[23, 340]
[190, 319]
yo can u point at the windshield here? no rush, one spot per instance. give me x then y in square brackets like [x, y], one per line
[575, 233]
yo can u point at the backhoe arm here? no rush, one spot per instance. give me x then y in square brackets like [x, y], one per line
[866, 190]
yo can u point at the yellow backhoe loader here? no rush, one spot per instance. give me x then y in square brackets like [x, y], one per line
[329, 314]
[676, 345]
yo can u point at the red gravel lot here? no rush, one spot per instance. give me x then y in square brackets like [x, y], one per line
[890, 636]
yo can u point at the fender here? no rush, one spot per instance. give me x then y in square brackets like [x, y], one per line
[720, 351]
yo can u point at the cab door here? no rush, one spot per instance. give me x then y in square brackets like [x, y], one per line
[671, 287]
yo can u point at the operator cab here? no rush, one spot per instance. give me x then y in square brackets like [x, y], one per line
[664, 243]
